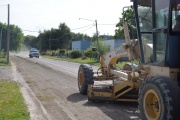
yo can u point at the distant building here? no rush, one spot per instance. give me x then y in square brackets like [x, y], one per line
[113, 43]
[83, 45]
[80, 45]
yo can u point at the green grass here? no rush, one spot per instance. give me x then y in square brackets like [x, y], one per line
[12, 106]
[121, 64]
[87, 61]
[3, 62]
[78, 60]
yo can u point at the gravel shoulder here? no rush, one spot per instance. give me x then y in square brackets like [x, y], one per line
[53, 95]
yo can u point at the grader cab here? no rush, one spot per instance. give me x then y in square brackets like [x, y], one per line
[155, 82]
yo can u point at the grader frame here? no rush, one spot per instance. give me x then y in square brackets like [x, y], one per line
[154, 83]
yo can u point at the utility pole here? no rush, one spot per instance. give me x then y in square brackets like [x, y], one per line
[0, 41]
[96, 34]
[97, 38]
[50, 40]
[8, 35]
[40, 40]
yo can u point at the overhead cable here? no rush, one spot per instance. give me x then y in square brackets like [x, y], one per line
[59, 38]
[106, 24]
[82, 27]
[30, 30]
[87, 29]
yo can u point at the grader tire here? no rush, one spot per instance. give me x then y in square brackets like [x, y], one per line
[159, 99]
[85, 78]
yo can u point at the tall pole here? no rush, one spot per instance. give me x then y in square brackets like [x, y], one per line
[40, 39]
[1, 40]
[50, 40]
[8, 35]
[97, 39]
[96, 34]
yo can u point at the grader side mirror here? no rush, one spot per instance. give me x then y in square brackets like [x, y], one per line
[94, 49]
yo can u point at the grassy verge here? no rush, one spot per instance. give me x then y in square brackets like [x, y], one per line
[12, 106]
[3, 62]
[78, 60]
[87, 61]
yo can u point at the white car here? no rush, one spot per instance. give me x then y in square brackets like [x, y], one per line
[34, 53]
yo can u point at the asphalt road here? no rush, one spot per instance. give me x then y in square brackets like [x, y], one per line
[51, 92]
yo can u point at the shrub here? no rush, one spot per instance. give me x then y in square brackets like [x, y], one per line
[43, 52]
[54, 53]
[2, 53]
[48, 52]
[88, 53]
[75, 54]
[61, 51]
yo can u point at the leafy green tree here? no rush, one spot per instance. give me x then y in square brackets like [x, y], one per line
[44, 39]
[127, 16]
[16, 37]
[30, 41]
[78, 36]
[66, 37]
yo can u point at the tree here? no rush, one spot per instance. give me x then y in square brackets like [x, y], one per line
[127, 16]
[16, 37]
[30, 41]
[55, 38]
[79, 36]
[66, 37]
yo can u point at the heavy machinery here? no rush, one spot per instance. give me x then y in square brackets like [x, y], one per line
[154, 83]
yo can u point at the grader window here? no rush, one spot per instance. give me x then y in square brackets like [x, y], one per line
[145, 22]
[161, 13]
[145, 18]
[161, 20]
[176, 18]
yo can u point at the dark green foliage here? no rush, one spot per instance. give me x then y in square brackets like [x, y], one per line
[127, 16]
[89, 53]
[16, 37]
[103, 48]
[2, 53]
[79, 36]
[76, 54]
[62, 51]
[31, 41]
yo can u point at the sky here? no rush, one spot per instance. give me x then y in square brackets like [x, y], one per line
[39, 15]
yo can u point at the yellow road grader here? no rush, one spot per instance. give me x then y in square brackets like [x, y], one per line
[155, 82]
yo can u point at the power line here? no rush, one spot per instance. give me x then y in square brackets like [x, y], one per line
[106, 24]
[68, 33]
[82, 27]
[30, 31]
[87, 29]
[60, 37]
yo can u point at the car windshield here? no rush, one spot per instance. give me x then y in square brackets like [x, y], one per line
[34, 49]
